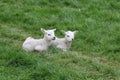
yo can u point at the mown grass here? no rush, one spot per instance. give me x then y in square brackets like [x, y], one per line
[94, 55]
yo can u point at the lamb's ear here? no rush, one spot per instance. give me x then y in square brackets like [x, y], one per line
[43, 30]
[63, 32]
[54, 29]
[75, 32]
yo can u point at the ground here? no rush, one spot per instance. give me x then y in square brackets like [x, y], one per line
[95, 52]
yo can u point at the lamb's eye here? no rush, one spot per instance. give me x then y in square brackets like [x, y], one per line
[68, 36]
[49, 34]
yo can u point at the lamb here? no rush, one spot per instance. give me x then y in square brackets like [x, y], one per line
[64, 43]
[31, 44]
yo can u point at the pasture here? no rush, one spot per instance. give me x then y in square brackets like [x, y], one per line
[95, 52]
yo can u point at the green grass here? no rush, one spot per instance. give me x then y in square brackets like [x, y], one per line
[94, 55]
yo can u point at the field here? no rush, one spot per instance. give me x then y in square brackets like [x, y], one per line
[95, 52]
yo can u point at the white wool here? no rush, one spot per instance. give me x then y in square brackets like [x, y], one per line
[64, 43]
[31, 44]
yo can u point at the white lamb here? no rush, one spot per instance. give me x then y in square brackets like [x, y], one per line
[64, 43]
[31, 44]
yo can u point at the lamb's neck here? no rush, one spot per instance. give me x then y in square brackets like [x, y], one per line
[68, 44]
[47, 41]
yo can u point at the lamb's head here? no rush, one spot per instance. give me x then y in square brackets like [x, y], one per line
[49, 34]
[69, 35]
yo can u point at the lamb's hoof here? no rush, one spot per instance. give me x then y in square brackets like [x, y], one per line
[64, 50]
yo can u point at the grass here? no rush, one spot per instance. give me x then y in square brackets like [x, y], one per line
[94, 55]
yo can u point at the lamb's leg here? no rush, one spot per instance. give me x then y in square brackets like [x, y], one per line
[39, 48]
[64, 49]
[27, 47]
[61, 47]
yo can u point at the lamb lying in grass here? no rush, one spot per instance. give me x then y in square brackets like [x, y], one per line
[31, 44]
[64, 43]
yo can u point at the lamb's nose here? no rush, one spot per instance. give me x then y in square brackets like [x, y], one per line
[72, 39]
[53, 38]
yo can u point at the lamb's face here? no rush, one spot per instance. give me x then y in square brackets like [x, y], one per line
[69, 35]
[49, 34]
